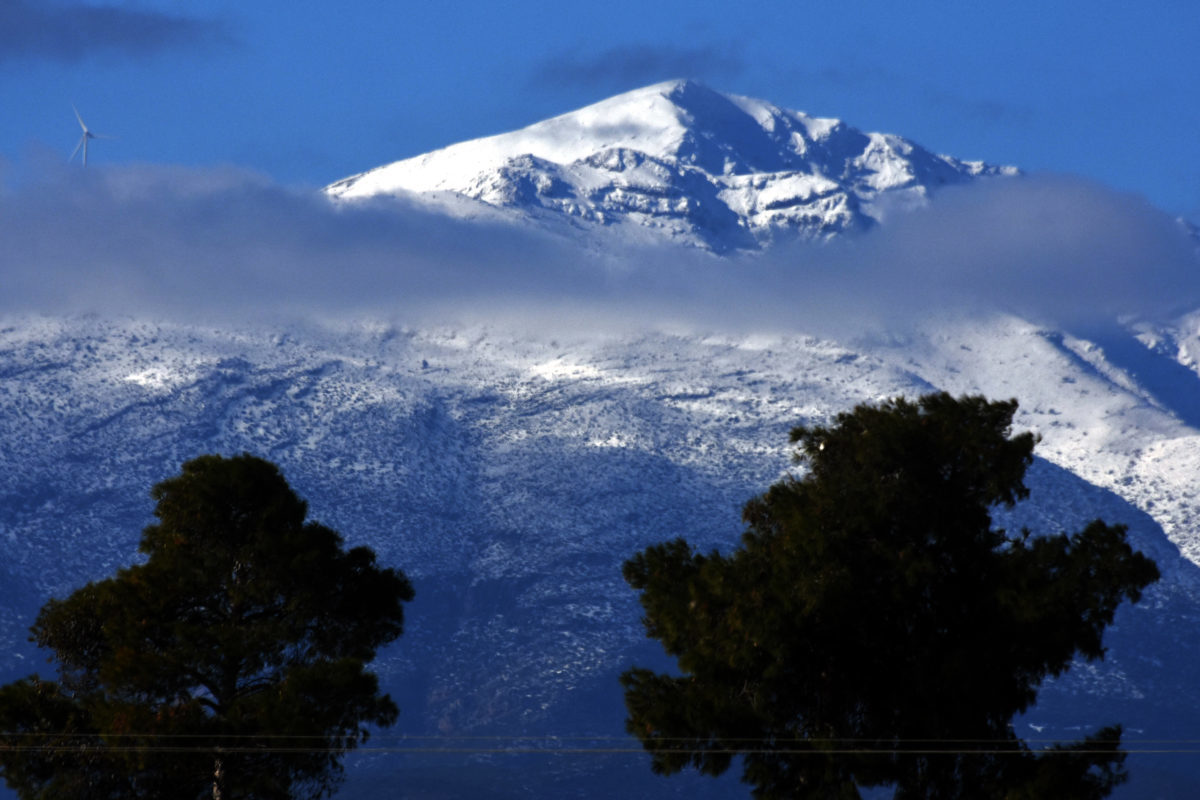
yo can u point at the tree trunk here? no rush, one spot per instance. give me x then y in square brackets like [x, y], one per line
[218, 779]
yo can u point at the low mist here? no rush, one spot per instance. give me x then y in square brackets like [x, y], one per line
[228, 245]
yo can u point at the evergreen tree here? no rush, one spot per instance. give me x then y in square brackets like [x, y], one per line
[230, 664]
[874, 629]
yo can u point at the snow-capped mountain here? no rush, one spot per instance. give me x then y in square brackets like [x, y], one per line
[713, 170]
[511, 473]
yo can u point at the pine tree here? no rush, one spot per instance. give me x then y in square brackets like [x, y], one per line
[230, 664]
[874, 629]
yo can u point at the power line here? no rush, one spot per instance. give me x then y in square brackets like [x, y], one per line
[560, 738]
[548, 740]
[592, 751]
[557, 745]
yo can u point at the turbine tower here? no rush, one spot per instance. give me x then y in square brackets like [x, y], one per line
[83, 140]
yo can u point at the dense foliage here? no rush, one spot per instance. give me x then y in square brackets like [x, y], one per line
[230, 664]
[874, 629]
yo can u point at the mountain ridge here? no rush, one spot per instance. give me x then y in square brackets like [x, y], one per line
[716, 171]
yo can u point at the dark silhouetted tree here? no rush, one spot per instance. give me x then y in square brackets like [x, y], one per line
[230, 664]
[874, 629]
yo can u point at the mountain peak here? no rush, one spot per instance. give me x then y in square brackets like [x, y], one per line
[718, 171]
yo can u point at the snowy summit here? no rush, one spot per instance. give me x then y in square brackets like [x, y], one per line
[717, 171]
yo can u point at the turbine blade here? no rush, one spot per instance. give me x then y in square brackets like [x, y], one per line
[82, 142]
[76, 110]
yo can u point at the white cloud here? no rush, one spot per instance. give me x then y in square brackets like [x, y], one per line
[219, 244]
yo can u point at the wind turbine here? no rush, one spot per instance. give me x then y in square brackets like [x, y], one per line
[83, 140]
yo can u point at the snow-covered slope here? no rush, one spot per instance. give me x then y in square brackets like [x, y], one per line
[717, 171]
[510, 475]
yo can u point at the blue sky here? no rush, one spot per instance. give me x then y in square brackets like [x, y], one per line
[306, 93]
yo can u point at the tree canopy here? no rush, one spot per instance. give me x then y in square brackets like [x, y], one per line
[230, 664]
[874, 629]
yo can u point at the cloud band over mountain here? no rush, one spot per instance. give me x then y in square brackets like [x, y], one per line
[228, 244]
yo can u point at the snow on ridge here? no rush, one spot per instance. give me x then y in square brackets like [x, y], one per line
[643, 120]
[697, 165]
